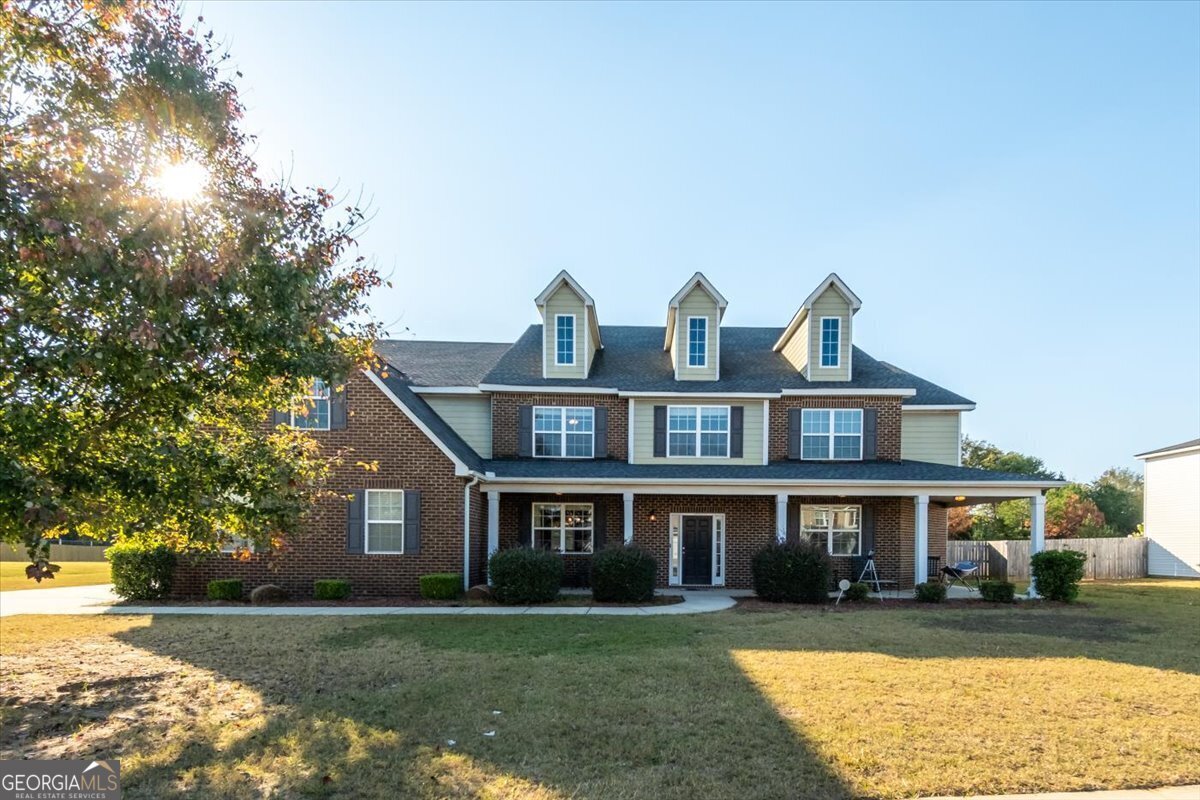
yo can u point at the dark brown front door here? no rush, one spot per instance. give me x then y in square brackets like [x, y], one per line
[697, 550]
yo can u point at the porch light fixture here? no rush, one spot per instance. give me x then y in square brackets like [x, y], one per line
[653, 516]
[959, 498]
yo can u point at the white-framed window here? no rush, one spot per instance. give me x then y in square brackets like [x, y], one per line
[697, 342]
[701, 431]
[385, 521]
[564, 527]
[831, 341]
[563, 432]
[831, 434]
[564, 339]
[237, 544]
[838, 528]
[315, 416]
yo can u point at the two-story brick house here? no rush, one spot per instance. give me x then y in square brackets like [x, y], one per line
[698, 442]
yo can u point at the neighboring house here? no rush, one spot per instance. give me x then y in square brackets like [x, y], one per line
[699, 442]
[1173, 509]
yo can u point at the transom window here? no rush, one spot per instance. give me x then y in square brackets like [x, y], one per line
[315, 414]
[697, 341]
[564, 339]
[837, 528]
[563, 527]
[385, 521]
[560, 432]
[831, 434]
[698, 431]
[831, 341]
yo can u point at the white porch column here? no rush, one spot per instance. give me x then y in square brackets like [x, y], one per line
[921, 551]
[781, 503]
[493, 528]
[1037, 534]
[628, 516]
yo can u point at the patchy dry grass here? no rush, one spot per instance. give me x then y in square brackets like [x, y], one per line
[807, 704]
[73, 573]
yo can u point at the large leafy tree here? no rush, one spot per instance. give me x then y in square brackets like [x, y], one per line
[1118, 493]
[1010, 519]
[157, 297]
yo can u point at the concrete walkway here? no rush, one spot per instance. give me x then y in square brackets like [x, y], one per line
[100, 600]
[1164, 793]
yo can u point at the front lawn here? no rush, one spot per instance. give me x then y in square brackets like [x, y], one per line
[796, 703]
[73, 573]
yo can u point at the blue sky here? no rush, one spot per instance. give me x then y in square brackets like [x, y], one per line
[1013, 190]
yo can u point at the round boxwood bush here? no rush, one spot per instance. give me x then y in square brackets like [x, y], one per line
[331, 589]
[623, 574]
[141, 571]
[267, 594]
[441, 585]
[997, 591]
[1057, 573]
[794, 572]
[931, 592]
[858, 592]
[225, 589]
[523, 576]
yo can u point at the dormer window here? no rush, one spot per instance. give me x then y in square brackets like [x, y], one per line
[831, 341]
[564, 338]
[697, 347]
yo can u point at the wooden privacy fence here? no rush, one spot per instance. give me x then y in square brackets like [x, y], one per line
[1107, 559]
[58, 552]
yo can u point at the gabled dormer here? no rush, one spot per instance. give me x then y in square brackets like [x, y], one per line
[693, 334]
[818, 341]
[570, 328]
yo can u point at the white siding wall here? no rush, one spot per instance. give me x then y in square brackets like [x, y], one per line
[931, 436]
[469, 415]
[643, 431]
[1173, 514]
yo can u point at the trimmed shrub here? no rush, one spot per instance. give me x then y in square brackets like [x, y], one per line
[795, 572]
[857, 592]
[623, 574]
[997, 591]
[331, 589]
[441, 585]
[140, 571]
[523, 576]
[225, 589]
[267, 594]
[931, 592]
[1057, 573]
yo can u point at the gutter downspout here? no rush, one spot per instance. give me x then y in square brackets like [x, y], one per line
[467, 532]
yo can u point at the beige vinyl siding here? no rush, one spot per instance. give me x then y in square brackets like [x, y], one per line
[592, 338]
[469, 415]
[931, 436]
[796, 349]
[829, 304]
[643, 431]
[1173, 515]
[697, 303]
[565, 301]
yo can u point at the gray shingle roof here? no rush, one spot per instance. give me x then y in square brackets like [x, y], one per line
[1169, 448]
[633, 360]
[432, 420]
[441, 363]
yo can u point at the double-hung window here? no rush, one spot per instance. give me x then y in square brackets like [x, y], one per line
[697, 342]
[564, 339]
[831, 341]
[837, 528]
[315, 415]
[385, 521]
[831, 434]
[698, 431]
[560, 432]
[563, 527]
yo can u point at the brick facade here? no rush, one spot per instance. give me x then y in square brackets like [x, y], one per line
[887, 422]
[505, 414]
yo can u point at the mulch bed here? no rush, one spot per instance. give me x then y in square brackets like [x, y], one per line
[753, 605]
[568, 601]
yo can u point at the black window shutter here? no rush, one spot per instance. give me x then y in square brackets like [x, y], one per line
[280, 418]
[525, 524]
[793, 522]
[869, 434]
[599, 527]
[868, 529]
[600, 426]
[660, 431]
[525, 431]
[337, 409]
[355, 521]
[412, 522]
[736, 414]
[794, 431]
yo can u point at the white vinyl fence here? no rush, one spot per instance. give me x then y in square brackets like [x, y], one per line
[1108, 559]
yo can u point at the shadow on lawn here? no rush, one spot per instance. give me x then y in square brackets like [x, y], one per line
[588, 708]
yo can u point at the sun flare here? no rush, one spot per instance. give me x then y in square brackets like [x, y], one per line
[182, 181]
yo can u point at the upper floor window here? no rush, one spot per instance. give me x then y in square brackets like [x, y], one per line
[563, 527]
[564, 339]
[837, 528]
[697, 341]
[385, 521]
[564, 432]
[698, 431]
[831, 434]
[315, 415]
[831, 341]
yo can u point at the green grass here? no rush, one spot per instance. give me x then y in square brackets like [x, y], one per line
[73, 573]
[869, 702]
